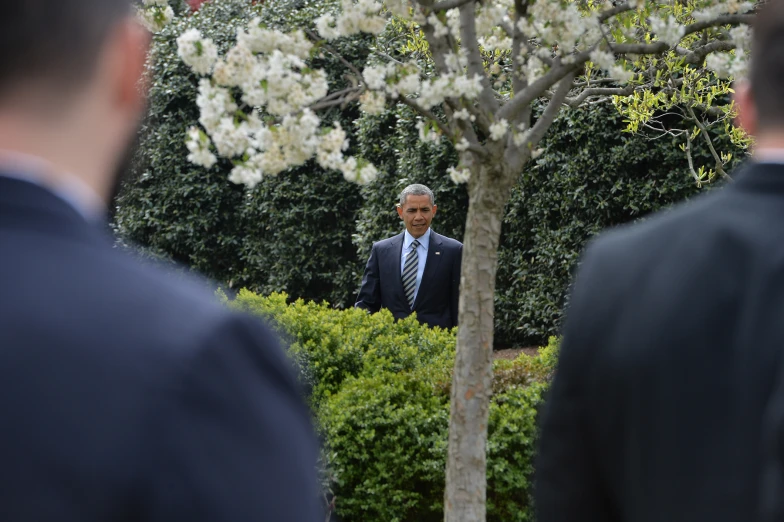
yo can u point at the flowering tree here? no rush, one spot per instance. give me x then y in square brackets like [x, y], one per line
[478, 69]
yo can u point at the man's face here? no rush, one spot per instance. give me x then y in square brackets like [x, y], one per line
[417, 214]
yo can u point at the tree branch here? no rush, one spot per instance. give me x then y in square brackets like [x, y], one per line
[697, 55]
[338, 98]
[691, 161]
[661, 47]
[729, 19]
[486, 100]
[551, 111]
[599, 91]
[445, 5]
[609, 13]
[336, 54]
[522, 99]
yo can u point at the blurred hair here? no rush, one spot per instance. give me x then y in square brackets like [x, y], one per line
[54, 42]
[766, 74]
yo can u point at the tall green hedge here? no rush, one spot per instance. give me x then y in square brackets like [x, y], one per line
[380, 395]
[292, 232]
[308, 232]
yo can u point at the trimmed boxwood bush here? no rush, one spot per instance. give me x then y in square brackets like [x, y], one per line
[380, 394]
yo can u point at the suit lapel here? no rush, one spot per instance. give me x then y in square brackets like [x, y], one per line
[395, 251]
[434, 255]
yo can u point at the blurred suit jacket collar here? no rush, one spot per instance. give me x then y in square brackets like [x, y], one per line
[72, 190]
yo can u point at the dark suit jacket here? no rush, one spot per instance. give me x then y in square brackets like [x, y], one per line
[437, 298]
[669, 357]
[130, 395]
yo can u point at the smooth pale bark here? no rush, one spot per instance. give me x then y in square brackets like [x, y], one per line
[472, 381]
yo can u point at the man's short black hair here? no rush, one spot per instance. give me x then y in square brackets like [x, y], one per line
[54, 41]
[766, 74]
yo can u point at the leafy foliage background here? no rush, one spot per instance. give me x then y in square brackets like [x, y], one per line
[308, 232]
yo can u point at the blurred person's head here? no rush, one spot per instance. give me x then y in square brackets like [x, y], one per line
[70, 84]
[759, 99]
[416, 208]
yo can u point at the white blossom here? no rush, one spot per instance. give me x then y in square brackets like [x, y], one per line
[364, 16]
[603, 59]
[720, 64]
[741, 37]
[372, 102]
[498, 129]
[376, 75]
[329, 153]
[621, 74]
[215, 103]
[439, 29]
[230, 138]
[154, 17]
[489, 17]
[463, 114]
[326, 26]
[456, 62]
[426, 133]
[462, 145]
[521, 138]
[197, 52]
[262, 40]
[246, 173]
[459, 175]
[667, 30]
[198, 145]
[399, 8]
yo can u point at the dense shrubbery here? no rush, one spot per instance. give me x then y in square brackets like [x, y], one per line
[592, 175]
[381, 398]
[308, 233]
[292, 233]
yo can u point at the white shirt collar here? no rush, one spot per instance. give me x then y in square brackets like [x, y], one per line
[67, 187]
[424, 241]
[768, 156]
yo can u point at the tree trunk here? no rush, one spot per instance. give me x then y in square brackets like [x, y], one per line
[472, 381]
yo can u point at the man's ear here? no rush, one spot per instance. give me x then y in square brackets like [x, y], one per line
[435, 207]
[399, 210]
[127, 55]
[746, 107]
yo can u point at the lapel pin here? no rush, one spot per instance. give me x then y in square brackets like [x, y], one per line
[438, 253]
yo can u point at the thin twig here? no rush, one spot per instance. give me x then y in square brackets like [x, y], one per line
[427, 114]
[691, 161]
[704, 131]
[599, 91]
[336, 54]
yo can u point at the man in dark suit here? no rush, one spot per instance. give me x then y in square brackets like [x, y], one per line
[673, 342]
[417, 270]
[125, 394]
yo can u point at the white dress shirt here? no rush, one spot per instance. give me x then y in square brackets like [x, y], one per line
[424, 243]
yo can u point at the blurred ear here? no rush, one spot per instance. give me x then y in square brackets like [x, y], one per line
[399, 210]
[435, 207]
[746, 107]
[124, 62]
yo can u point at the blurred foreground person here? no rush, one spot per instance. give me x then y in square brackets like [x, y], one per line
[673, 343]
[125, 395]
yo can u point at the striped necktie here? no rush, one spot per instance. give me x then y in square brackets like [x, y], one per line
[410, 273]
